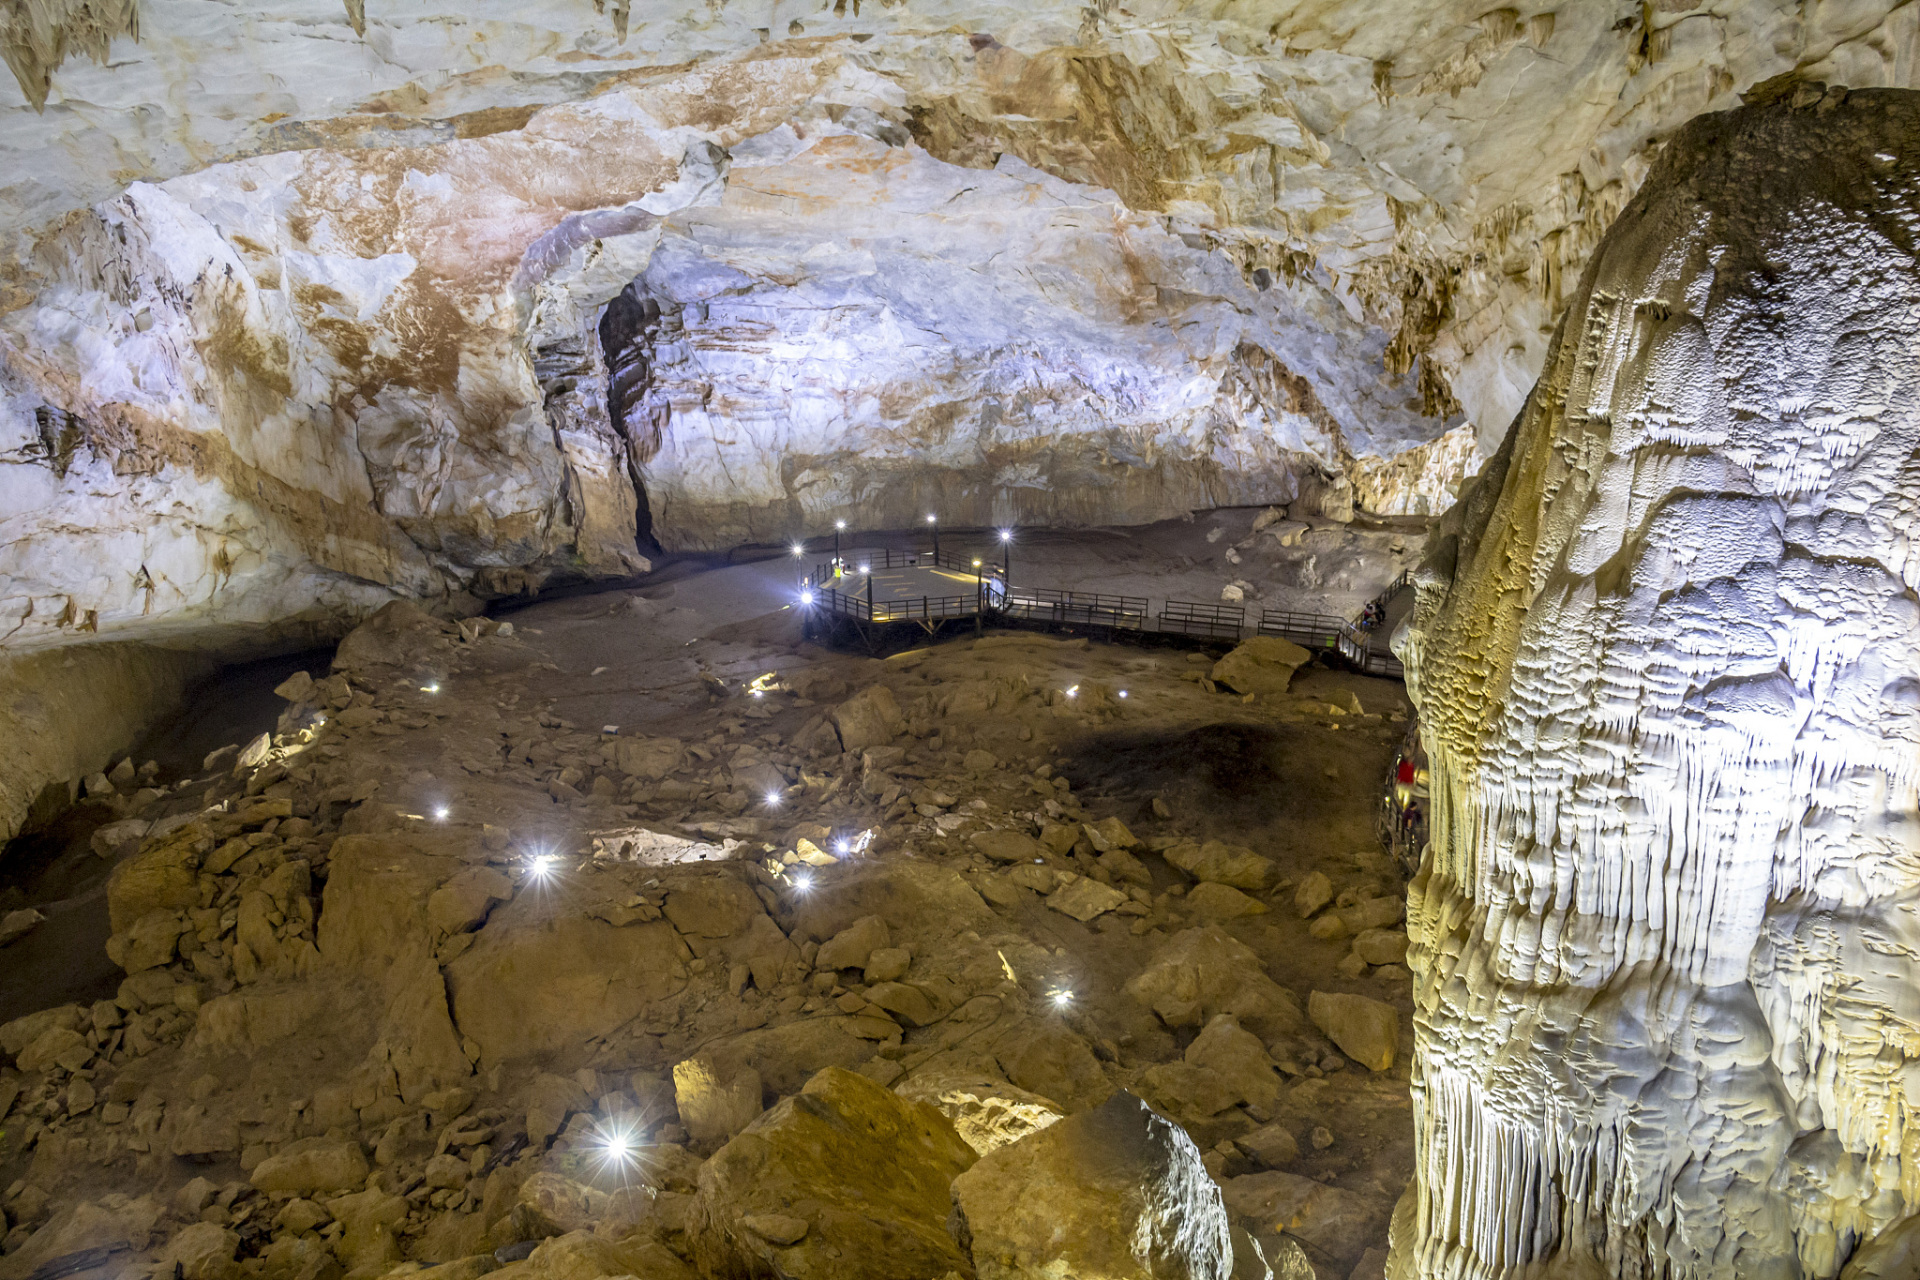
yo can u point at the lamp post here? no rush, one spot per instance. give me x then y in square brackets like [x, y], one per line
[1006, 558]
[838, 527]
[933, 523]
[979, 598]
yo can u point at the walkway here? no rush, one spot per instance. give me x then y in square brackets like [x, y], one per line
[863, 593]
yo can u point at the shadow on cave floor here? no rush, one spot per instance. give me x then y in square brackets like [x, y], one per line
[54, 869]
[1294, 793]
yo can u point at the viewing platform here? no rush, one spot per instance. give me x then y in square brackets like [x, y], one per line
[863, 595]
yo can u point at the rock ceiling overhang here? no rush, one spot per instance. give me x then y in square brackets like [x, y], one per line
[299, 317]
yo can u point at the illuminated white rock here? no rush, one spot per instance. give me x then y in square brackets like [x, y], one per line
[299, 318]
[1667, 659]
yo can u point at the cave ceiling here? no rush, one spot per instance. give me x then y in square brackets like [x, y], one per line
[308, 307]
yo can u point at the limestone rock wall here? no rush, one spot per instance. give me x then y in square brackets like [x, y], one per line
[1666, 657]
[303, 310]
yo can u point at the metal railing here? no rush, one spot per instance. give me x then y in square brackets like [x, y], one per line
[1224, 621]
[843, 588]
[1081, 608]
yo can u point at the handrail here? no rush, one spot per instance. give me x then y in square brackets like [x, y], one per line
[996, 596]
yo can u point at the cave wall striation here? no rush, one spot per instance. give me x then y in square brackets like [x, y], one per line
[1667, 660]
[303, 310]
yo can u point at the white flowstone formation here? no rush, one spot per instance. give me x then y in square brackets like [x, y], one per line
[305, 309]
[1667, 667]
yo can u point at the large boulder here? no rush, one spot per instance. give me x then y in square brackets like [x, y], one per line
[715, 1103]
[1047, 1058]
[1201, 973]
[533, 983]
[854, 945]
[1117, 1193]
[843, 1181]
[1341, 1224]
[1217, 862]
[650, 759]
[1264, 664]
[313, 1165]
[987, 1113]
[1367, 1030]
[163, 876]
[870, 718]
[462, 903]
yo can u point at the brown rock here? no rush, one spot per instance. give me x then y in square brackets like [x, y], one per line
[1273, 1145]
[1367, 1030]
[1109, 833]
[1048, 1059]
[1216, 862]
[866, 1170]
[1315, 892]
[462, 903]
[648, 758]
[313, 1165]
[162, 876]
[1339, 1223]
[1006, 846]
[1238, 1058]
[1264, 664]
[1116, 1193]
[714, 1107]
[56, 1046]
[871, 718]
[1085, 898]
[715, 906]
[1209, 969]
[853, 946]
[1221, 902]
[905, 1001]
[1381, 946]
[988, 1113]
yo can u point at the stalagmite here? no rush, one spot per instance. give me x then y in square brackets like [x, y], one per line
[1667, 661]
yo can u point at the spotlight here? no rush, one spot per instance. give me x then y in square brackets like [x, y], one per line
[541, 867]
[773, 799]
[843, 847]
[1074, 692]
[799, 550]
[441, 812]
[866, 568]
[1062, 998]
[976, 564]
[430, 688]
[839, 524]
[802, 883]
[806, 597]
[760, 693]
[931, 519]
[617, 1146]
[1123, 693]
[1006, 535]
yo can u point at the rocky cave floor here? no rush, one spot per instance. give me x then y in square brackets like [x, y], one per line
[511, 926]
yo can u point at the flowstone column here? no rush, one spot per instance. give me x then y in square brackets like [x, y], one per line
[1667, 660]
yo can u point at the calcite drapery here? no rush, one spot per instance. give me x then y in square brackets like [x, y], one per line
[1667, 658]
